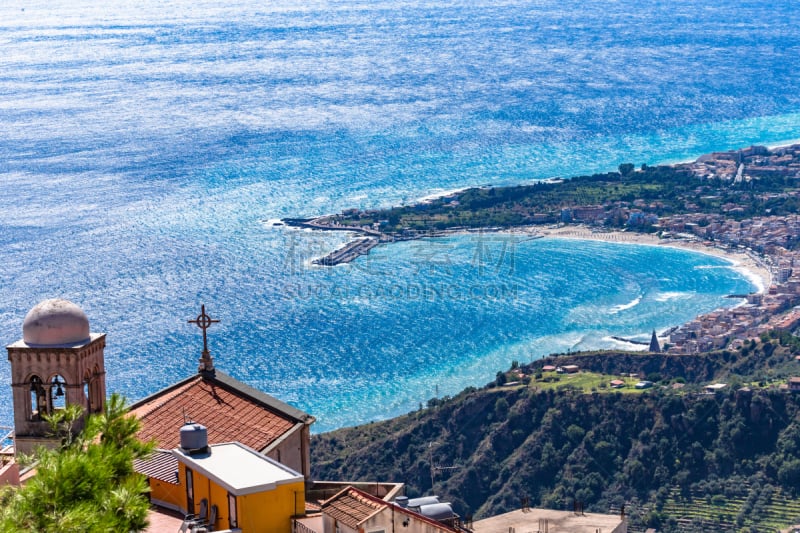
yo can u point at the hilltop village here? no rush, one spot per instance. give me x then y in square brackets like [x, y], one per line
[740, 201]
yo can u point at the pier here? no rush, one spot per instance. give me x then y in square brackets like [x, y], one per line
[348, 252]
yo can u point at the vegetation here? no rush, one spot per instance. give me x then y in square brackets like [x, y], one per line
[88, 483]
[679, 460]
[766, 360]
[659, 190]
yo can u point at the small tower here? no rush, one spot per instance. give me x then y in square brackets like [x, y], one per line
[57, 362]
[654, 346]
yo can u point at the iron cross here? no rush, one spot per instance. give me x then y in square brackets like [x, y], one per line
[203, 322]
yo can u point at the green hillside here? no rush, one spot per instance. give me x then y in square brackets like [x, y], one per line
[678, 459]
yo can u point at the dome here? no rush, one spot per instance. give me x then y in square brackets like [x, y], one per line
[55, 322]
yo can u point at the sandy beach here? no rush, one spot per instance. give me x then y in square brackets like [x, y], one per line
[749, 265]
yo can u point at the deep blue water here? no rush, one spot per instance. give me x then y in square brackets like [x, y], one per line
[142, 147]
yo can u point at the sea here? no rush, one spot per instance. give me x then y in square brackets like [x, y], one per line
[147, 149]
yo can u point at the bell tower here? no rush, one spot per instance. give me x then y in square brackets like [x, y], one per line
[57, 362]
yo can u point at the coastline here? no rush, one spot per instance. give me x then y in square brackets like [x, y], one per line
[770, 292]
[748, 265]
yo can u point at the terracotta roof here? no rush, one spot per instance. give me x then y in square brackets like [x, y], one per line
[231, 410]
[352, 507]
[161, 465]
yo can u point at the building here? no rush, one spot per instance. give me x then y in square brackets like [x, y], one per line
[58, 361]
[354, 511]
[247, 491]
[533, 520]
[232, 411]
[714, 387]
[655, 347]
[224, 487]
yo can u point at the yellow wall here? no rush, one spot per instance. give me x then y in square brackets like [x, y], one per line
[167, 493]
[264, 512]
[271, 511]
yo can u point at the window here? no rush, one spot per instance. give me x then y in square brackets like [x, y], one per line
[87, 395]
[38, 399]
[233, 516]
[57, 394]
[189, 492]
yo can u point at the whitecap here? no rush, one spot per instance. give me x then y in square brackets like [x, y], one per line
[622, 307]
[272, 222]
[672, 295]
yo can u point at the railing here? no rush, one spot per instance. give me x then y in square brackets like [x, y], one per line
[6, 445]
[300, 527]
[6, 436]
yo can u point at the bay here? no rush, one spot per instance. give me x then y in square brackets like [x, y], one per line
[143, 145]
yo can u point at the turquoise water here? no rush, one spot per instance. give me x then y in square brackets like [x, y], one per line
[143, 147]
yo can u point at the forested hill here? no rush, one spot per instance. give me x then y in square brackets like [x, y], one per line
[734, 453]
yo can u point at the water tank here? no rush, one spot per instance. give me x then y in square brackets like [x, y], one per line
[194, 438]
[437, 511]
[402, 501]
[424, 500]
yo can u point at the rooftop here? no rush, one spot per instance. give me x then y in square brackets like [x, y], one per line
[557, 522]
[239, 469]
[230, 409]
[161, 465]
[351, 507]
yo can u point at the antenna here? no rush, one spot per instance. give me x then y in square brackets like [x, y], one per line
[434, 467]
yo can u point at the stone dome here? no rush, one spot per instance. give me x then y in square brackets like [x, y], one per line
[55, 322]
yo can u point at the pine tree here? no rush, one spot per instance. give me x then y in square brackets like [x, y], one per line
[87, 484]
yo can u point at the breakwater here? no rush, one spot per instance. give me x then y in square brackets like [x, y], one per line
[348, 252]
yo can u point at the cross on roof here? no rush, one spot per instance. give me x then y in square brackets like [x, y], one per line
[203, 322]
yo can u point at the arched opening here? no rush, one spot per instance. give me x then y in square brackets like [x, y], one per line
[87, 395]
[57, 395]
[38, 400]
[95, 391]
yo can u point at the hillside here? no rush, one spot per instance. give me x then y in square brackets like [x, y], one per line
[680, 460]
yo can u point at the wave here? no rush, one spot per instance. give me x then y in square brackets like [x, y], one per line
[622, 307]
[672, 295]
[273, 222]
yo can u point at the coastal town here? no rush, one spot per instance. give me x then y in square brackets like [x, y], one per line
[740, 204]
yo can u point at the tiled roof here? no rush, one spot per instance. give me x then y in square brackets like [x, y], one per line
[351, 507]
[231, 410]
[161, 465]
